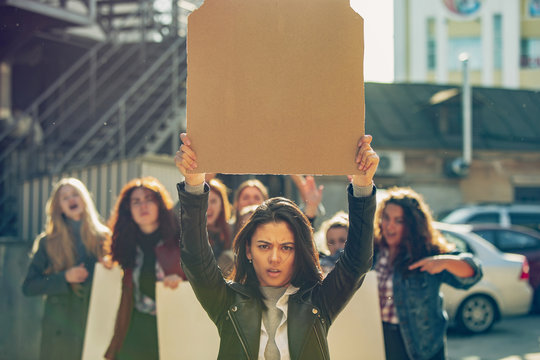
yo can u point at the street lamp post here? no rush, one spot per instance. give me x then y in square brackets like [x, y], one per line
[460, 166]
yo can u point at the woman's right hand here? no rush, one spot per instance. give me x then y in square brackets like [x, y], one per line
[186, 160]
[76, 274]
[107, 262]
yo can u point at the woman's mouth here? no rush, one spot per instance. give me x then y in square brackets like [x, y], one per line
[73, 206]
[273, 273]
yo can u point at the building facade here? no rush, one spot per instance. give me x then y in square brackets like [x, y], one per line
[501, 38]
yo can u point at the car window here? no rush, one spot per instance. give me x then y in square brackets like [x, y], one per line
[510, 241]
[487, 234]
[485, 218]
[461, 245]
[526, 219]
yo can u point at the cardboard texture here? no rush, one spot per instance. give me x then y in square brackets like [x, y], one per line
[357, 332]
[104, 301]
[275, 86]
[185, 330]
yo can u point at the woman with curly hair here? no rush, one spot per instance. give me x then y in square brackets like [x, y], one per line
[62, 267]
[144, 242]
[412, 260]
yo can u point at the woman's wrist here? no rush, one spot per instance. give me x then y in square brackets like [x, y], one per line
[195, 189]
[194, 179]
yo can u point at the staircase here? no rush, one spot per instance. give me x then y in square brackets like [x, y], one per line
[124, 98]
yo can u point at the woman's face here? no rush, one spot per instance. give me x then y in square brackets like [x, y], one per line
[250, 196]
[214, 208]
[335, 239]
[71, 202]
[392, 225]
[272, 253]
[144, 210]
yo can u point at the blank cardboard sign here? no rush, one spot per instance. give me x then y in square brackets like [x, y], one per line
[275, 86]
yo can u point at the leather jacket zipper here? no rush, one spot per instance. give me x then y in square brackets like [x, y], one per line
[235, 326]
[320, 342]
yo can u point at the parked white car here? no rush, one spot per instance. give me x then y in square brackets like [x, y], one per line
[510, 214]
[503, 291]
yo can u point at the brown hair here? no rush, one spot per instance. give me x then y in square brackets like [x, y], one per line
[420, 238]
[248, 183]
[222, 222]
[306, 261]
[124, 228]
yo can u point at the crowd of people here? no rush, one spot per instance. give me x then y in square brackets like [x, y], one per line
[269, 282]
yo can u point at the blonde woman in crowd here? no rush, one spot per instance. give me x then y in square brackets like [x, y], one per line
[331, 239]
[62, 268]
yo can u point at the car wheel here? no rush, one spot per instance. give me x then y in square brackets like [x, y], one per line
[476, 314]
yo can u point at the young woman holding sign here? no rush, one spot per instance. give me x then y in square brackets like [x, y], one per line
[145, 244]
[62, 268]
[278, 305]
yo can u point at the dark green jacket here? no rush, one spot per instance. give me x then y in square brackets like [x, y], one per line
[311, 311]
[64, 317]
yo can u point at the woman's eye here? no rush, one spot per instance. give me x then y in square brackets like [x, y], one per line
[263, 246]
[288, 248]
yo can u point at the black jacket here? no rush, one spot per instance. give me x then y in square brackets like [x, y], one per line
[311, 311]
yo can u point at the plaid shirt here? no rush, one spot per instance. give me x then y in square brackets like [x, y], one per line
[385, 273]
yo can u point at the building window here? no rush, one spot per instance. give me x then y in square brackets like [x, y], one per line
[470, 45]
[527, 194]
[534, 8]
[497, 41]
[431, 44]
[530, 53]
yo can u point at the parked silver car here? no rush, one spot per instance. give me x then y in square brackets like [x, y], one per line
[504, 289]
[503, 214]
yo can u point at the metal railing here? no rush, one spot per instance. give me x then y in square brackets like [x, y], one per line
[78, 104]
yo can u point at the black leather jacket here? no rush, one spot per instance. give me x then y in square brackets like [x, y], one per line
[311, 311]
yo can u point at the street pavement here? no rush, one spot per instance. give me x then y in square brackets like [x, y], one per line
[515, 338]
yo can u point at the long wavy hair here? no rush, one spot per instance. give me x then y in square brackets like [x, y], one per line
[419, 238]
[222, 222]
[60, 245]
[124, 229]
[306, 259]
[248, 183]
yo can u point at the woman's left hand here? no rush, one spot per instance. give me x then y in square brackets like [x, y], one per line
[172, 281]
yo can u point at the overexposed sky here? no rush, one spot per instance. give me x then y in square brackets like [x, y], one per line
[378, 38]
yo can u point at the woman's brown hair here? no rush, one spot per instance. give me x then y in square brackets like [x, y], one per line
[125, 230]
[419, 238]
[306, 258]
[222, 222]
[248, 183]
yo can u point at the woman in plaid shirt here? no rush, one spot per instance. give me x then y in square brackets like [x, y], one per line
[412, 260]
